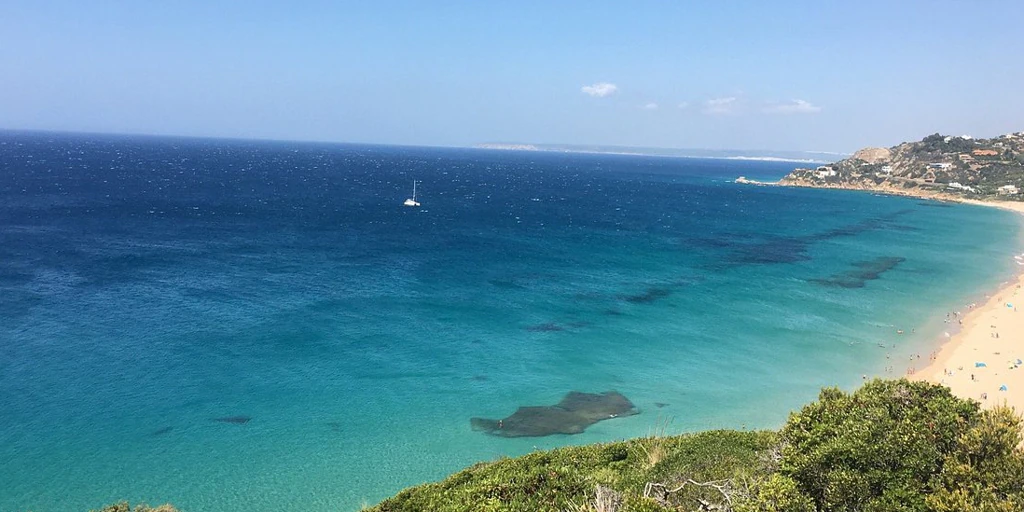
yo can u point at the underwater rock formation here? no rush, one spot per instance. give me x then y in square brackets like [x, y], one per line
[572, 415]
[862, 272]
[546, 327]
[649, 295]
[237, 420]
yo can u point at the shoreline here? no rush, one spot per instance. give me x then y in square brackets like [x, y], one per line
[973, 338]
[991, 333]
[929, 195]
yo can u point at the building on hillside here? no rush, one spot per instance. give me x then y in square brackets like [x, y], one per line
[887, 169]
[965, 157]
[1008, 190]
[966, 188]
[940, 165]
[984, 152]
[824, 172]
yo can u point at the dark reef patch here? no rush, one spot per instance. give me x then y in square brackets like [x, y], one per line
[648, 296]
[794, 249]
[935, 204]
[572, 415]
[862, 272]
[507, 284]
[237, 420]
[545, 327]
[777, 250]
[162, 431]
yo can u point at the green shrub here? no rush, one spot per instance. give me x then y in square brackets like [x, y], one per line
[777, 494]
[903, 446]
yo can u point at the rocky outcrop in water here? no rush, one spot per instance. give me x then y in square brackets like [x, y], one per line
[572, 415]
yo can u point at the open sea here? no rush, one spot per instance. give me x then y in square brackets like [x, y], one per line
[233, 326]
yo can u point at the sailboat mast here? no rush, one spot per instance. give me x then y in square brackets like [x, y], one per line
[413, 190]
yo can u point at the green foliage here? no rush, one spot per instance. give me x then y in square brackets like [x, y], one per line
[903, 446]
[986, 472]
[777, 494]
[565, 479]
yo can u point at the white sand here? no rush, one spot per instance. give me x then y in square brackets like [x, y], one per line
[955, 363]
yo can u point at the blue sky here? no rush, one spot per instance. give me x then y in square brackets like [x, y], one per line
[829, 76]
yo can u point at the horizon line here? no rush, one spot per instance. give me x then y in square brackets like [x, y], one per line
[476, 146]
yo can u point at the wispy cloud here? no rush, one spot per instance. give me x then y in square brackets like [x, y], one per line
[792, 107]
[600, 89]
[684, 105]
[721, 106]
[650, 106]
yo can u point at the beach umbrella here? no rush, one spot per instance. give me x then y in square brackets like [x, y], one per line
[980, 365]
[1002, 388]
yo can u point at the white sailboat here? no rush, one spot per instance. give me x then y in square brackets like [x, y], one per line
[412, 200]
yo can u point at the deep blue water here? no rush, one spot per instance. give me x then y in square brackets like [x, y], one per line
[151, 285]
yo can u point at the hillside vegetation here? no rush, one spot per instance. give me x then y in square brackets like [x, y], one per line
[936, 165]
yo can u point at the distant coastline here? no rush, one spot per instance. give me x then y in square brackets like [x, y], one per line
[806, 157]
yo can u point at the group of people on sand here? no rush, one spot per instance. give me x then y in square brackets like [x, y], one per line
[956, 316]
[934, 355]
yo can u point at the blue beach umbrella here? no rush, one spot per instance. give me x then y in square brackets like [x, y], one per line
[1002, 388]
[980, 365]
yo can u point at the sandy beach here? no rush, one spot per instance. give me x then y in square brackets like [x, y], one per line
[983, 361]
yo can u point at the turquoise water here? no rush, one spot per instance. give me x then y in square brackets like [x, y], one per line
[150, 286]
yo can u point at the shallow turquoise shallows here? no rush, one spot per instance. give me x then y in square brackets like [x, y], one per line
[235, 326]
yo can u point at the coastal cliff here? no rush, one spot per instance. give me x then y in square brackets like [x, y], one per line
[938, 166]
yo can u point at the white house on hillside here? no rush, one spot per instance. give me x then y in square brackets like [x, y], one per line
[824, 171]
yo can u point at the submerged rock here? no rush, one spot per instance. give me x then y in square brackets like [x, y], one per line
[238, 420]
[546, 327]
[862, 272]
[572, 415]
[649, 295]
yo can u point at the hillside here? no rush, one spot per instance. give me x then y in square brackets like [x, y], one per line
[938, 165]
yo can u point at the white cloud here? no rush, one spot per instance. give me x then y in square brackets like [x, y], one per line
[684, 104]
[600, 89]
[650, 106]
[792, 107]
[721, 106]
